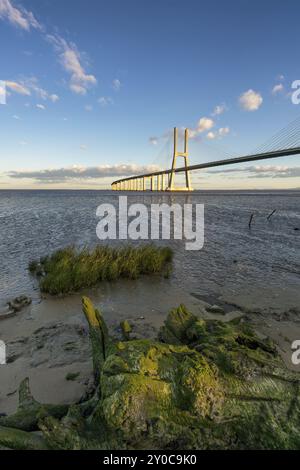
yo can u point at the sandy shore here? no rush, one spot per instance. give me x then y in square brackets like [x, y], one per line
[49, 340]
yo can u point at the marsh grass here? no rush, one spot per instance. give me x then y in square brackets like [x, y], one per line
[68, 270]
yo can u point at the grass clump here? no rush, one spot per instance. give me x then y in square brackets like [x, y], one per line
[68, 270]
[71, 376]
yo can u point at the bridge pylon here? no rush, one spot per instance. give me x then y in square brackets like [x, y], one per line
[184, 155]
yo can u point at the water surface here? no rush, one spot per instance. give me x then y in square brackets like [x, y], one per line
[233, 261]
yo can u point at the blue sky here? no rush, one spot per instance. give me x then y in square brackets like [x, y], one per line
[93, 88]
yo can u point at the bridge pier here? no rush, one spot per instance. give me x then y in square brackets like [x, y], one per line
[184, 155]
[157, 180]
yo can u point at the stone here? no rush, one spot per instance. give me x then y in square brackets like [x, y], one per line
[205, 384]
[215, 309]
[19, 303]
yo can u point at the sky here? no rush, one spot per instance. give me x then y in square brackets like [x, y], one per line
[90, 90]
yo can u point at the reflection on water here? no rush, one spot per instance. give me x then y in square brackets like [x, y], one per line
[35, 223]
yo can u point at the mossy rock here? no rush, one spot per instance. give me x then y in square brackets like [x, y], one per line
[202, 385]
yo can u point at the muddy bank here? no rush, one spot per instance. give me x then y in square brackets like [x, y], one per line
[200, 384]
[48, 341]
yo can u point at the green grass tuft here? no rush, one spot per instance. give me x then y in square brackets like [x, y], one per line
[68, 270]
[71, 376]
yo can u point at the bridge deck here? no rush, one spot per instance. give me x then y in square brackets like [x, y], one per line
[229, 161]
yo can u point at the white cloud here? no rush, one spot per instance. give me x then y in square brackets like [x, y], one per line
[116, 84]
[3, 92]
[16, 117]
[277, 89]
[205, 124]
[41, 106]
[18, 17]
[29, 85]
[78, 172]
[83, 147]
[223, 131]
[69, 55]
[192, 133]
[250, 100]
[78, 89]
[219, 109]
[153, 140]
[54, 98]
[88, 108]
[18, 88]
[105, 101]
[211, 135]
[33, 84]
[70, 59]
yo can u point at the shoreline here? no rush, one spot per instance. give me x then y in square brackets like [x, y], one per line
[48, 341]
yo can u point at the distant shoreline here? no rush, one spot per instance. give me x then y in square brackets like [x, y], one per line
[200, 191]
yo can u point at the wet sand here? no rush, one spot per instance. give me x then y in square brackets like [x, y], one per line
[49, 340]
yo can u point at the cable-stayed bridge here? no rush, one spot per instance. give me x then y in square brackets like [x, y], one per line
[285, 143]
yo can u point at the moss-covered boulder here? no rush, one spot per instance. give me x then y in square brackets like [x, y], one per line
[201, 385]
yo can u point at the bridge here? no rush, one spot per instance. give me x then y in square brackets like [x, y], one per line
[164, 180]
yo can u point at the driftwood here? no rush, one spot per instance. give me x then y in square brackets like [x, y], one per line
[270, 215]
[250, 220]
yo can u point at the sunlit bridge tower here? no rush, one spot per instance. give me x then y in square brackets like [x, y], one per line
[176, 155]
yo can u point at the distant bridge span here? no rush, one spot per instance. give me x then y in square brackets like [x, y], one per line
[157, 179]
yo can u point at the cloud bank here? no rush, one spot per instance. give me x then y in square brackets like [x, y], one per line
[267, 171]
[75, 173]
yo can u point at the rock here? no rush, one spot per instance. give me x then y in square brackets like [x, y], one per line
[19, 303]
[235, 315]
[215, 309]
[126, 329]
[7, 313]
[206, 384]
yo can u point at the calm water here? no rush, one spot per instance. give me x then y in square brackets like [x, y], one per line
[34, 223]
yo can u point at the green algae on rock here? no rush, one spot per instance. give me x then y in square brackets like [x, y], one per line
[201, 385]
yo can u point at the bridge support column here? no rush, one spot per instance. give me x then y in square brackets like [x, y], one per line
[151, 183]
[177, 154]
